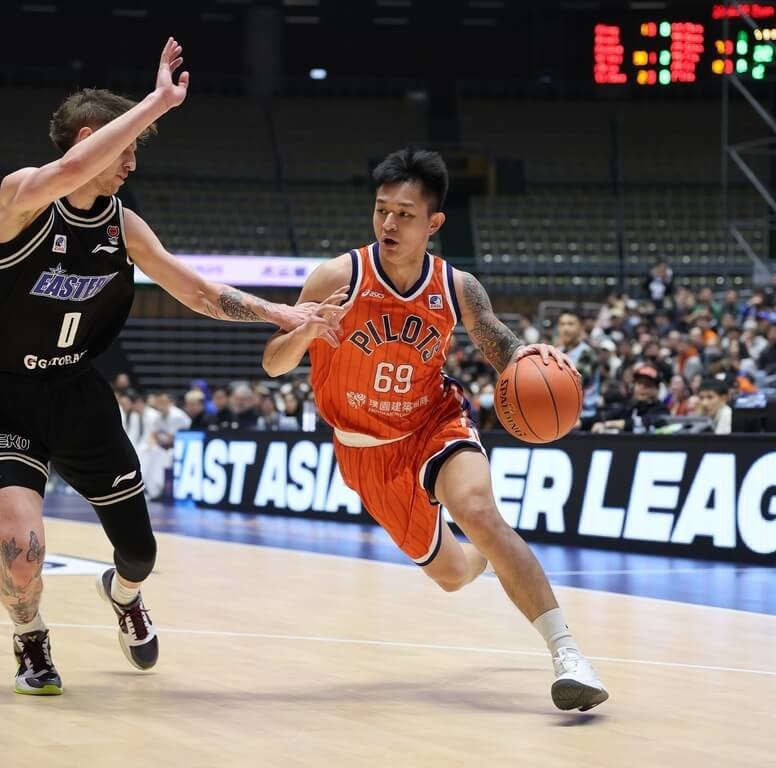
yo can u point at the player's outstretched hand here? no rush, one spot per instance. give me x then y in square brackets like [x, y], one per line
[547, 351]
[318, 320]
[171, 93]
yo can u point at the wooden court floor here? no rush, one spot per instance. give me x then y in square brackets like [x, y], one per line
[278, 658]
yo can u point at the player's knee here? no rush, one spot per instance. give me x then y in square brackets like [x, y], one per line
[476, 511]
[453, 578]
[135, 561]
[22, 576]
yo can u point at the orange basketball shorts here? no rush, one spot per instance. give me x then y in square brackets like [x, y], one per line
[396, 481]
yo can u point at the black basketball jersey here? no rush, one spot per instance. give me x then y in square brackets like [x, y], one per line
[66, 287]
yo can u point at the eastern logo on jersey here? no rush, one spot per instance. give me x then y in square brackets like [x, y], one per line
[356, 399]
[435, 301]
[368, 293]
[427, 339]
[113, 234]
[55, 283]
[60, 244]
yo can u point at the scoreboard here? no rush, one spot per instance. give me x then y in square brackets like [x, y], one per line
[658, 51]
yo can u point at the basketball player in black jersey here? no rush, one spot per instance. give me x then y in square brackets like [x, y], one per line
[67, 255]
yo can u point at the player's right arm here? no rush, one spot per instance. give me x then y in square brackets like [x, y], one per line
[31, 189]
[285, 350]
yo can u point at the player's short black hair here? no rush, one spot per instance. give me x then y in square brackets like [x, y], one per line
[416, 165]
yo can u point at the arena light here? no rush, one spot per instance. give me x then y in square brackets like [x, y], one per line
[318, 73]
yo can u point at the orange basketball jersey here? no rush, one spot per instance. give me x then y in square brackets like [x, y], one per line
[385, 380]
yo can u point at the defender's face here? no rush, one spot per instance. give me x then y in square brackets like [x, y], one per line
[402, 220]
[112, 178]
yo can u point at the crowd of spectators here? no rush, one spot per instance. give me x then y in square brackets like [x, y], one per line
[672, 353]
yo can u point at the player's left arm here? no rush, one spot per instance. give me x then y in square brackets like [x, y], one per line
[222, 302]
[497, 342]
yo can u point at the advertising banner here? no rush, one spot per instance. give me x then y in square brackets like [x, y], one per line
[699, 496]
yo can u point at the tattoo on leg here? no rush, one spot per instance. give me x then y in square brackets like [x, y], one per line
[9, 551]
[27, 597]
[36, 552]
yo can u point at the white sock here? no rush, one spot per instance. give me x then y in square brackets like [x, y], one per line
[553, 628]
[121, 594]
[36, 625]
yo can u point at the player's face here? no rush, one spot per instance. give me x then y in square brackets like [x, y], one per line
[402, 221]
[112, 178]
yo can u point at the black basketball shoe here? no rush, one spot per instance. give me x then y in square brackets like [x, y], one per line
[37, 675]
[137, 636]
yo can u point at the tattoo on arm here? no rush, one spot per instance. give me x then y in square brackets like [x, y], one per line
[236, 305]
[493, 338]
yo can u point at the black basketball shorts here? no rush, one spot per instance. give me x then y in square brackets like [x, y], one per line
[71, 420]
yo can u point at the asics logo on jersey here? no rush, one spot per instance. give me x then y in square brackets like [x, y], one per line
[55, 283]
[414, 332]
[122, 478]
[368, 293]
[106, 248]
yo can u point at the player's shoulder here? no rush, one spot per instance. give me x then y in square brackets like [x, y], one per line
[327, 277]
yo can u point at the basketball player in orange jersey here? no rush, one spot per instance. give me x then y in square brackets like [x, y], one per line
[402, 434]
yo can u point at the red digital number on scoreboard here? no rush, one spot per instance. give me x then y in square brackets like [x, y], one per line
[608, 55]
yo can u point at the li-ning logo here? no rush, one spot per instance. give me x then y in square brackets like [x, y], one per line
[57, 284]
[106, 248]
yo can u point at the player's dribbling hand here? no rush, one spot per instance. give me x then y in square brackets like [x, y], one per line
[547, 351]
[171, 93]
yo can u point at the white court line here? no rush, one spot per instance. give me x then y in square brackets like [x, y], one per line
[659, 571]
[421, 646]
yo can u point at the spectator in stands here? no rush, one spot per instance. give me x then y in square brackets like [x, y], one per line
[766, 361]
[121, 383]
[223, 412]
[204, 388]
[677, 399]
[714, 404]
[644, 411]
[242, 404]
[156, 452]
[292, 408]
[486, 413]
[659, 284]
[651, 354]
[171, 420]
[272, 420]
[572, 342]
[194, 407]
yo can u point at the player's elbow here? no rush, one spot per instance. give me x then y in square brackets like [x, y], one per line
[271, 364]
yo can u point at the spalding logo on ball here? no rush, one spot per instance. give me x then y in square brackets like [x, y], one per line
[538, 403]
